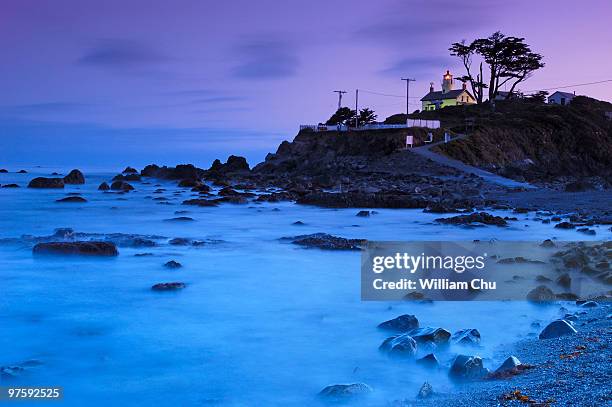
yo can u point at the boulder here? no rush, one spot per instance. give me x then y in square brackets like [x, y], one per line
[564, 280]
[200, 202]
[87, 248]
[130, 170]
[236, 164]
[10, 186]
[42, 182]
[168, 286]
[172, 264]
[73, 199]
[22, 172]
[103, 187]
[74, 177]
[466, 367]
[3, 170]
[474, 218]
[121, 186]
[466, 337]
[425, 391]
[509, 364]
[589, 304]
[345, 392]
[540, 294]
[438, 336]
[180, 219]
[189, 183]
[429, 360]
[403, 323]
[557, 329]
[327, 242]
[402, 346]
[565, 225]
[363, 214]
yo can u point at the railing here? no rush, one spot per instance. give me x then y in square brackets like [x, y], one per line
[429, 124]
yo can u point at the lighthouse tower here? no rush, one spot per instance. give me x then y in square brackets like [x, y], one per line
[447, 82]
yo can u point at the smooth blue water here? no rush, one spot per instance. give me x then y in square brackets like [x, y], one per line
[261, 322]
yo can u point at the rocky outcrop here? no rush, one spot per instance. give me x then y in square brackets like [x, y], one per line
[180, 172]
[234, 164]
[72, 199]
[174, 286]
[438, 336]
[468, 336]
[75, 177]
[42, 182]
[104, 187]
[327, 242]
[345, 392]
[121, 186]
[474, 218]
[89, 248]
[465, 367]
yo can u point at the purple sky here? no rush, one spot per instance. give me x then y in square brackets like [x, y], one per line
[131, 82]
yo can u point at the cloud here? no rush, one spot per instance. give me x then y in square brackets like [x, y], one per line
[419, 65]
[121, 53]
[266, 59]
[43, 107]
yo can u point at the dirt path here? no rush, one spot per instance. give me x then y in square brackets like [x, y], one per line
[425, 151]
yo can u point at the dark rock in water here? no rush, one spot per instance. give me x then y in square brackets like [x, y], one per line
[466, 367]
[363, 200]
[121, 186]
[586, 231]
[327, 242]
[89, 248]
[200, 202]
[466, 337]
[233, 164]
[438, 207]
[547, 243]
[10, 186]
[202, 188]
[520, 210]
[541, 293]
[103, 187]
[3, 170]
[298, 223]
[189, 183]
[589, 304]
[578, 186]
[180, 219]
[75, 199]
[22, 172]
[542, 279]
[173, 264]
[509, 364]
[439, 336]
[566, 296]
[118, 177]
[131, 177]
[476, 217]
[143, 254]
[429, 360]
[403, 346]
[74, 177]
[345, 392]
[130, 170]
[363, 214]
[168, 286]
[403, 323]
[557, 329]
[564, 280]
[425, 391]
[42, 182]
[183, 171]
[180, 241]
[565, 225]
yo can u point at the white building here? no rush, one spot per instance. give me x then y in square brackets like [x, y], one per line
[561, 98]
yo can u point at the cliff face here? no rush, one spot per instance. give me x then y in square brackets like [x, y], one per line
[537, 142]
[313, 153]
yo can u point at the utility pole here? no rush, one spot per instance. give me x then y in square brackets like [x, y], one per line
[340, 93]
[408, 80]
[356, 108]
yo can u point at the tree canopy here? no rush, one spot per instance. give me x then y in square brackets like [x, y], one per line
[346, 116]
[509, 61]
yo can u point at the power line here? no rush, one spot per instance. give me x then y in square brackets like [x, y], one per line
[571, 86]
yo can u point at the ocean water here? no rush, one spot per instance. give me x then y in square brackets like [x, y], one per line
[261, 321]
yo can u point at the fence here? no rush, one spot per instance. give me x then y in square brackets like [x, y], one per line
[430, 124]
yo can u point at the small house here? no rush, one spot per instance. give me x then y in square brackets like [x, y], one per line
[561, 98]
[448, 96]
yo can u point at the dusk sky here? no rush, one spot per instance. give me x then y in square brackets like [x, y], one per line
[103, 83]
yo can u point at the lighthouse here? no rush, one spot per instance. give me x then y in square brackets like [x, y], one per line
[447, 82]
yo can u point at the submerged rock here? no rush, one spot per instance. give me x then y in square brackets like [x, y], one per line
[467, 337]
[74, 177]
[327, 242]
[340, 392]
[476, 217]
[121, 186]
[180, 219]
[10, 186]
[557, 329]
[42, 182]
[363, 214]
[429, 360]
[91, 248]
[466, 367]
[200, 202]
[172, 264]
[104, 187]
[403, 346]
[168, 286]
[403, 323]
[74, 199]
